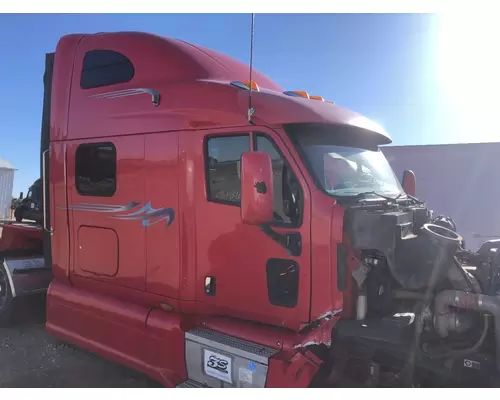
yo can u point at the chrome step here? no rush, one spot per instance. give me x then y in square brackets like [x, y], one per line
[219, 360]
[190, 384]
[243, 348]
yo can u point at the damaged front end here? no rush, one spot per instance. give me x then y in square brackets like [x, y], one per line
[427, 310]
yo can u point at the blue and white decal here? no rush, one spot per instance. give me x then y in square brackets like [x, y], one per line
[131, 211]
[252, 366]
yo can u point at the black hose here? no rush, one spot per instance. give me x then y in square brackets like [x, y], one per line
[452, 353]
[461, 352]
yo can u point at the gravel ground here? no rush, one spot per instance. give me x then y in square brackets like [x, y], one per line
[29, 357]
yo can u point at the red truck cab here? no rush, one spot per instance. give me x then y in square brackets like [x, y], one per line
[182, 223]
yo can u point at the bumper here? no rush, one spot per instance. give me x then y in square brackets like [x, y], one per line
[27, 275]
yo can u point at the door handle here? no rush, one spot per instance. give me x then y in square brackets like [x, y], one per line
[210, 285]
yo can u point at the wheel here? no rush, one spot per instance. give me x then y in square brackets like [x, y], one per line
[5, 297]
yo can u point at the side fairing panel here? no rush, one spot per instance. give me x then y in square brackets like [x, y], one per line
[61, 86]
[118, 108]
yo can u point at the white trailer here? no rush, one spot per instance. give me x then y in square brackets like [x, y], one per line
[6, 185]
[456, 180]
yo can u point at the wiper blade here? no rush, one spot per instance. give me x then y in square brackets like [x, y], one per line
[388, 198]
[415, 199]
[364, 194]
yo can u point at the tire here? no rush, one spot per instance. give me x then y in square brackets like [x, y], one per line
[6, 299]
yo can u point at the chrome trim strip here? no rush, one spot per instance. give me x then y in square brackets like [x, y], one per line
[44, 193]
[9, 277]
[155, 95]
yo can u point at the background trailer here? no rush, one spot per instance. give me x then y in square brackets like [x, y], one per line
[458, 180]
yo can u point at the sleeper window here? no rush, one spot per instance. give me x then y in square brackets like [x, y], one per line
[224, 154]
[95, 169]
[104, 68]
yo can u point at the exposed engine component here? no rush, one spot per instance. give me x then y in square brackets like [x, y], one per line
[428, 311]
[418, 253]
[445, 222]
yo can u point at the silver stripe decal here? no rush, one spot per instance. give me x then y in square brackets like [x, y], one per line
[155, 95]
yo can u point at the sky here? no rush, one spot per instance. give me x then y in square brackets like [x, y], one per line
[418, 75]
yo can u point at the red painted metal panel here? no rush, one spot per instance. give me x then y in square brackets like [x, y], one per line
[162, 238]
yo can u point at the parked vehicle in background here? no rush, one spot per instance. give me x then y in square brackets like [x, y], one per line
[29, 208]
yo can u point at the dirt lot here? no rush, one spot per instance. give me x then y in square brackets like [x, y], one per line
[31, 358]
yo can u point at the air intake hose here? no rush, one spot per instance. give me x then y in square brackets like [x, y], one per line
[466, 301]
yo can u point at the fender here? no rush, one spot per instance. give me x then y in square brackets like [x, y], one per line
[27, 275]
[21, 254]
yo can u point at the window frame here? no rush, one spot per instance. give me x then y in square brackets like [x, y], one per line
[100, 194]
[83, 70]
[207, 166]
[274, 223]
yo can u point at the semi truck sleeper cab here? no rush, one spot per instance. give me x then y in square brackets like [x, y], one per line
[202, 241]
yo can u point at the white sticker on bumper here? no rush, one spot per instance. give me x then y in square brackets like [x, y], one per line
[218, 366]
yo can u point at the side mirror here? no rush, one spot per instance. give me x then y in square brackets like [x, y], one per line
[257, 195]
[409, 182]
[21, 196]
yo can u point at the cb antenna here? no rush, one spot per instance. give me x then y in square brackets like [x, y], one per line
[251, 111]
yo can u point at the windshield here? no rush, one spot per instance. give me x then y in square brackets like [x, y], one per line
[342, 167]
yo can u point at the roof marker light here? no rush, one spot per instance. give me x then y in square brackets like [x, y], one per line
[246, 85]
[317, 98]
[297, 93]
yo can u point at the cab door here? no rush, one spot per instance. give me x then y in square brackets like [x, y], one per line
[250, 272]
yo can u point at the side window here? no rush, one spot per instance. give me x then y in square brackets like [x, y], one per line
[223, 155]
[105, 67]
[95, 169]
[287, 192]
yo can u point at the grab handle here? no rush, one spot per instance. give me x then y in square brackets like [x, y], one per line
[46, 227]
